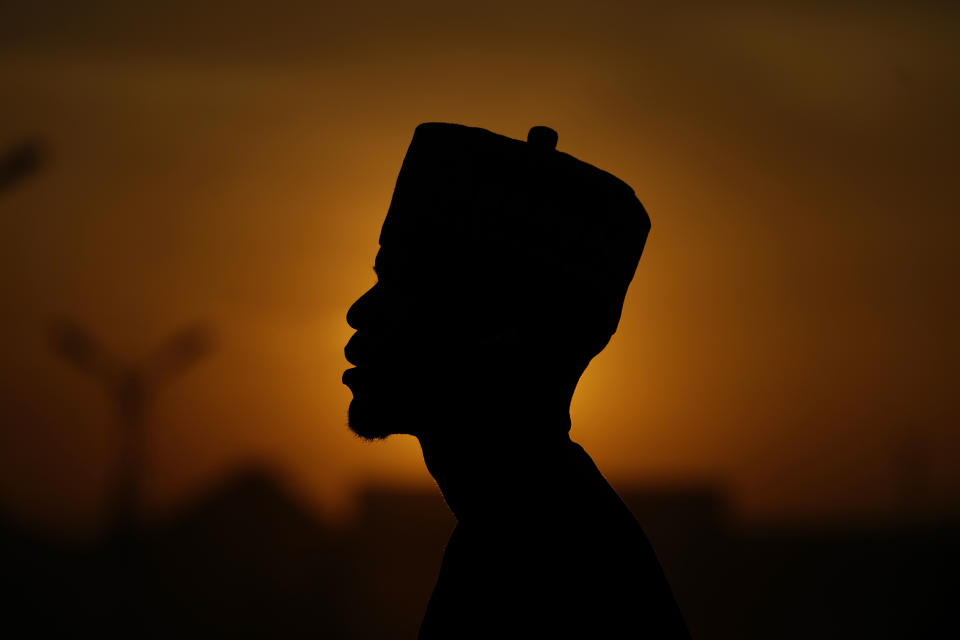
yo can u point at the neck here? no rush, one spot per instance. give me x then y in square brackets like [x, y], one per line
[482, 471]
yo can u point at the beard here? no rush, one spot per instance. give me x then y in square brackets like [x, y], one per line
[378, 410]
[370, 420]
[416, 400]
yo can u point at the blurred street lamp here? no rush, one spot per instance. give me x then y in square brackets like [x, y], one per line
[19, 161]
[132, 388]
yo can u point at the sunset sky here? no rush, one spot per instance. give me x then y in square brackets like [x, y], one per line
[790, 335]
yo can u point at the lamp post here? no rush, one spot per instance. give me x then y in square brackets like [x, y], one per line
[133, 388]
[19, 161]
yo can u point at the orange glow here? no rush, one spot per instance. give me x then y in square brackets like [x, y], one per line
[791, 323]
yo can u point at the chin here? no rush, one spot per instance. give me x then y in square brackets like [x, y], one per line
[371, 421]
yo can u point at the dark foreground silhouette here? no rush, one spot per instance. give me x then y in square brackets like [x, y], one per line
[244, 558]
[502, 271]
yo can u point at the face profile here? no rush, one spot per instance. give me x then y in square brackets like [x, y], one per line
[392, 350]
[425, 347]
[500, 274]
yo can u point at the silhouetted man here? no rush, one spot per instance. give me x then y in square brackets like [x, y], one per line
[502, 270]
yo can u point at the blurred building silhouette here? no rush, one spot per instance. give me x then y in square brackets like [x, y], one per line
[247, 560]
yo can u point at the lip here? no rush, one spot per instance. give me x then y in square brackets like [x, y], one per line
[349, 376]
[353, 349]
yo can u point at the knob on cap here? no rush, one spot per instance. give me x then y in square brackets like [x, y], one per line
[542, 138]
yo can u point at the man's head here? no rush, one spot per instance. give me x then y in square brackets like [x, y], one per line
[502, 270]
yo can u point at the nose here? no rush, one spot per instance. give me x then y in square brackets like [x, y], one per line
[359, 312]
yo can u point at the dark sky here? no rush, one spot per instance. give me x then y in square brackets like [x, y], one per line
[790, 333]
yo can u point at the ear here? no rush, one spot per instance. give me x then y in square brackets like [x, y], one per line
[504, 336]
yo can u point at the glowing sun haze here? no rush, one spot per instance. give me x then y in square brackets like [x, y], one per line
[790, 333]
